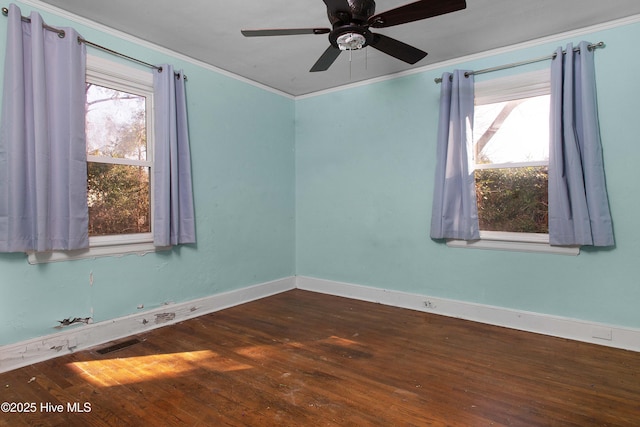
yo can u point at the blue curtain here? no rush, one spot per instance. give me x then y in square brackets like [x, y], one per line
[43, 162]
[455, 212]
[174, 217]
[578, 203]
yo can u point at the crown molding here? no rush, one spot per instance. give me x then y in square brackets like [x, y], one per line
[633, 19]
[146, 44]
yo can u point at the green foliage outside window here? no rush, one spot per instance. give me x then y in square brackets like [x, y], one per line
[119, 201]
[513, 199]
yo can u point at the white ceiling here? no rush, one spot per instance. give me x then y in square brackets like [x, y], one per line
[209, 31]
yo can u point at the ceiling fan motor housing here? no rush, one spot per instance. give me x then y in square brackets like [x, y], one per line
[350, 31]
[359, 12]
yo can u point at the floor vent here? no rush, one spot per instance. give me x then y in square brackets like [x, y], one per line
[118, 346]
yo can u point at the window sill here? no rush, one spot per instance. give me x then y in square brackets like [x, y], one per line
[102, 246]
[515, 242]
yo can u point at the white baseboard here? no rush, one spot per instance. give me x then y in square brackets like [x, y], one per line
[574, 329]
[84, 336]
[17, 355]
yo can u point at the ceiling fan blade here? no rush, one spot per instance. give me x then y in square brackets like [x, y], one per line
[284, 32]
[397, 49]
[326, 59]
[415, 11]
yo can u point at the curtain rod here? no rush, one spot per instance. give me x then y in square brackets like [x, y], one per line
[61, 34]
[518, 64]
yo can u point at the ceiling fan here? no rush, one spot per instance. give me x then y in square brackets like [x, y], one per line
[351, 20]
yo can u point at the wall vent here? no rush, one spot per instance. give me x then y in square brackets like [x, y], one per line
[118, 346]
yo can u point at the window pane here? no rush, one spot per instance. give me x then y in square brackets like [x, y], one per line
[115, 123]
[118, 198]
[512, 131]
[513, 199]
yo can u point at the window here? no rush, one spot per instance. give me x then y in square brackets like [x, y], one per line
[119, 130]
[511, 143]
[119, 162]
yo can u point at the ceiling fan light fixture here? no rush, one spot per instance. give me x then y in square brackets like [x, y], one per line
[351, 41]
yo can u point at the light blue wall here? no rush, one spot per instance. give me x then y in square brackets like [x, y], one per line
[242, 147]
[352, 204]
[364, 184]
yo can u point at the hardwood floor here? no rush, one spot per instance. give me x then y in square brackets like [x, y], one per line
[307, 359]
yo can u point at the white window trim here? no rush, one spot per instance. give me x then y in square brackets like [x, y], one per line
[110, 73]
[508, 88]
[499, 90]
[514, 242]
[481, 166]
[125, 245]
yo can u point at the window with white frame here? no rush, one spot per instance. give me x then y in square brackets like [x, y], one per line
[511, 144]
[119, 132]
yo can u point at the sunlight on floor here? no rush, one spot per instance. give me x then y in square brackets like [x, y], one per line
[266, 351]
[117, 371]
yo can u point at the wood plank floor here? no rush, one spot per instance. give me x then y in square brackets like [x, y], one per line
[306, 359]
